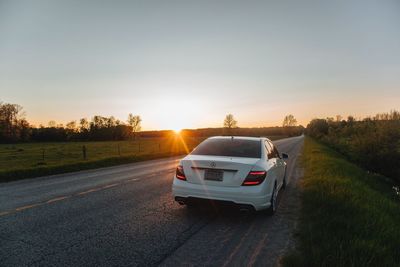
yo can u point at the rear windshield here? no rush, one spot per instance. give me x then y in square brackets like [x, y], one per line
[230, 148]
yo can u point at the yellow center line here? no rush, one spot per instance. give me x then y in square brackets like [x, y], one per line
[3, 213]
[57, 199]
[110, 185]
[88, 191]
[28, 207]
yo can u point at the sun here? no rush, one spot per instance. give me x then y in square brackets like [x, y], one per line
[177, 130]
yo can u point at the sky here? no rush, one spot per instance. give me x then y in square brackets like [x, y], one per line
[186, 64]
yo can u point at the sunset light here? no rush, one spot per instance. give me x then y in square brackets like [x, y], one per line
[177, 130]
[176, 113]
[199, 133]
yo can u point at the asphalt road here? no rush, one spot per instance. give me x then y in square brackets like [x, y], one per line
[125, 215]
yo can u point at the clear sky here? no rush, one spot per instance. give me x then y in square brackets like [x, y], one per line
[185, 64]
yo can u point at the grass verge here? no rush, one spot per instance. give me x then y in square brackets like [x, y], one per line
[349, 217]
[13, 175]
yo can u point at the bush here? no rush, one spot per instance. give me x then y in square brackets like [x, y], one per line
[372, 143]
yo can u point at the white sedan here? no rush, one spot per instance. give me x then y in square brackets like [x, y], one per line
[248, 171]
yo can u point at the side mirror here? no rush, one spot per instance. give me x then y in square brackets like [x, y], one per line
[285, 156]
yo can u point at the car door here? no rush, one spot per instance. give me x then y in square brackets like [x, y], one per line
[272, 162]
[280, 164]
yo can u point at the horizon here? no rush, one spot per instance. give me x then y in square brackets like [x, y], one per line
[178, 130]
[344, 117]
[186, 65]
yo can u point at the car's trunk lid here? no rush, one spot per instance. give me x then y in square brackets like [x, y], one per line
[217, 170]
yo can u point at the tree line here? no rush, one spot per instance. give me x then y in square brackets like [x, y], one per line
[372, 142]
[289, 128]
[15, 128]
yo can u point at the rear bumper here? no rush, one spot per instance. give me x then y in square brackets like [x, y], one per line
[192, 200]
[256, 196]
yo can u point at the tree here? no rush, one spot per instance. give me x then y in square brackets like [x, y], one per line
[350, 119]
[71, 126]
[111, 122]
[12, 123]
[135, 123]
[289, 121]
[98, 122]
[52, 124]
[317, 128]
[71, 130]
[24, 130]
[230, 122]
[84, 125]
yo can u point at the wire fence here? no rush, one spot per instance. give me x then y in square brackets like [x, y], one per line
[15, 156]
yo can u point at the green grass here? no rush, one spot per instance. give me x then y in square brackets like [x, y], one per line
[349, 217]
[18, 161]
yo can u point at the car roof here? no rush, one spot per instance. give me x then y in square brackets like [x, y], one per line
[240, 138]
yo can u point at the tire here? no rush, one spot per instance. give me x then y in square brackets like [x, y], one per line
[272, 209]
[190, 205]
[284, 183]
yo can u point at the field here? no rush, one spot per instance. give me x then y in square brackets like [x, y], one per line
[349, 217]
[34, 159]
[18, 161]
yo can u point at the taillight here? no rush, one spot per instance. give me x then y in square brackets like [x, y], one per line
[180, 174]
[255, 178]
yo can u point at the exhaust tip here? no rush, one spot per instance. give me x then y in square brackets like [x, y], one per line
[246, 208]
[180, 200]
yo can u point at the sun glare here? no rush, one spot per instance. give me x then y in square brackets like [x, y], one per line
[176, 119]
[177, 130]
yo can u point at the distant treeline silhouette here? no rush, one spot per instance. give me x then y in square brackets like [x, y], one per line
[253, 131]
[250, 131]
[373, 142]
[15, 128]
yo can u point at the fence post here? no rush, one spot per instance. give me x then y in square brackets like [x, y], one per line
[119, 151]
[139, 147]
[43, 154]
[159, 147]
[84, 152]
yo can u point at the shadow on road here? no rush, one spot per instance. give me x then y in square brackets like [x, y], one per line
[204, 209]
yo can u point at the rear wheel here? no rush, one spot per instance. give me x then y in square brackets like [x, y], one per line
[190, 205]
[284, 183]
[271, 210]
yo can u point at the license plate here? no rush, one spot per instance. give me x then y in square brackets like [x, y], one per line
[213, 175]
